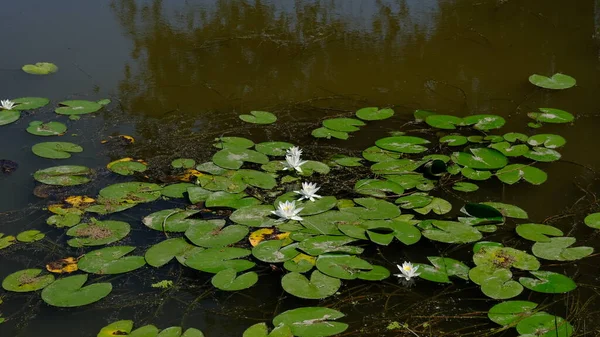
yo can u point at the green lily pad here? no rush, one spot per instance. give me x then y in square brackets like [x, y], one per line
[378, 273]
[376, 154]
[542, 154]
[343, 124]
[259, 117]
[233, 142]
[214, 233]
[40, 128]
[132, 192]
[318, 206]
[510, 150]
[374, 114]
[110, 260]
[164, 251]
[477, 175]
[67, 175]
[233, 184]
[442, 268]
[228, 280]
[347, 161]
[261, 330]
[593, 220]
[346, 267]
[328, 133]
[256, 178]
[213, 260]
[30, 236]
[377, 188]
[465, 187]
[64, 220]
[550, 115]
[233, 158]
[511, 312]
[544, 325]
[374, 209]
[312, 166]
[322, 244]
[513, 137]
[454, 140]
[500, 285]
[403, 144]
[55, 150]
[272, 251]
[212, 168]
[439, 206]
[548, 282]
[176, 190]
[174, 331]
[319, 286]
[9, 116]
[171, 220]
[29, 103]
[97, 233]
[185, 163]
[513, 173]
[451, 232]
[504, 257]
[118, 328]
[40, 68]
[481, 159]
[77, 107]
[508, 210]
[397, 166]
[557, 249]
[556, 82]
[416, 200]
[232, 200]
[445, 122]
[27, 280]
[254, 216]
[273, 148]
[537, 232]
[547, 140]
[484, 122]
[69, 292]
[312, 321]
[127, 167]
[327, 223]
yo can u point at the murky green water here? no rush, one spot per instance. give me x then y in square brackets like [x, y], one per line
[181, 72]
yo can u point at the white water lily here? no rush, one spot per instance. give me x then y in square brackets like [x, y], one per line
[294, 162]
[7, 104]
[309, 191]
[407, 270]
[288, 211]
[293, 151]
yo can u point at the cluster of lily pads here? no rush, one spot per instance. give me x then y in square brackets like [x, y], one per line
[277, 218]
[301, 322]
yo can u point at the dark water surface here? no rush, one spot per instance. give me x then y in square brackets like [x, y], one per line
[180, 72]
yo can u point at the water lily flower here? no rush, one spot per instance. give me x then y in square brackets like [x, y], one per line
[288, 211]
[407, 270]
[309, 191]
[293, 161]
[7, 104]
[293, 151]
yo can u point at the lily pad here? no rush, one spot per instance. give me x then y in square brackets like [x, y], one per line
[110, 260]
[477, 175]
[117, 328]
[481, 159]
[30, 236]
[511, 312]
[40, 68]
[593, 220]
[508, 210]
[327, 222]
[343, 124]
[97, 233]
[318, 206]
[327, 133]
[376, 154]
[445, 122]
[55, 150]
[64, 220]
[254, 216]
[557, 81]
[185, 163]
[176, 190]
[132, 192]
[319, 286]
[552, 326]
[164, 251]
[537, 232]
[550, 115]
[346, 267]
[271, 251]
[232, 142]
[403, 144]
[548, 282]
[374, 209]
[437, 205]
[465, 187]
[557, 249]
[513, 173]
[322, 244]
[374, 114]
[397, 166]
[454, 140]
[273, 148]
[127, 166]
[234, 158]
[69, 292]
[500, 285]
[27, 280]
[348, 161]
[171, 220]
[228, 280]
[40, 128]
[377, 188]
[259, 117]
[9, 116]
[232, 200]
[261, 330]
[451, 232]
[416, 200]
[77, 107]
[67, 175]
[213, 260]
[312, 321]
[542, 154]
[510, 150]
[214, 233]
[484, 122]
[550, 141]
[256, 178]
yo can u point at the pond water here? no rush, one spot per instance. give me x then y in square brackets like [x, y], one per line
[179, 74]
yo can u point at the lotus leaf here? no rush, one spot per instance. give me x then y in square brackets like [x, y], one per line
[542, 154]
[547, 140]
[377, 188]
[465, 187]
[131, 192]
[346, 267]
[593, 220]
[232, 200]
[437, 205]
[9, 116]
[454, 140]
[377, 154]
[126, 166]
[176, 190]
